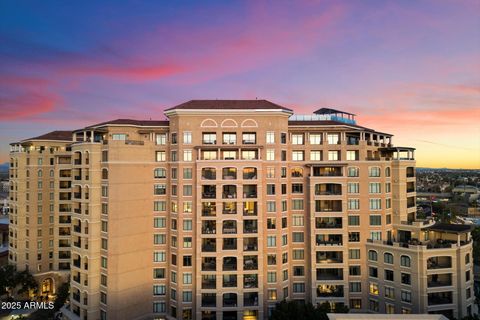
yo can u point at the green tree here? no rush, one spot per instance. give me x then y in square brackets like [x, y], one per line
[286, 310]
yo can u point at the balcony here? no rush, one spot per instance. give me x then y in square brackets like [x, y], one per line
[209, 227]
[209, 245]
[443, 262]
[439, 280]
[353, 140]
[325, 290]
[229, 299]
[328, 205]
[209, 174]
[64, 219]
[77, 195]
[329, 240]
[250, 263]
[250, 208]
[229, 227]
[209, 209]
[328, 223]
[209, 264]
[76, 263]
[250, 281]
[327, 172]
[329, 257]
[64, 255]
[439, 298]
[229, 264]
[209, 300]
[77, 229]
[229, 192]
[329, 274]
[209, 282]
[328, 189]
[229, 244]
[250, 173]
[229, 208]
[250, 226]
[250, 299]
[250, 244]
[230, 281]
[229, 173]
[249, 191]
[209, 192]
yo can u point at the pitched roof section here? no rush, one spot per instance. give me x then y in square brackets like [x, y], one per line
[228, 105]
[54, 135]
[132, 122]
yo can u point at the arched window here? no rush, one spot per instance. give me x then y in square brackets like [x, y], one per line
[387, 172]
[388, 258]
[160, 173]
[353, 172]
[405, 261]
[40, 173]
[52, 173]
[372, 255]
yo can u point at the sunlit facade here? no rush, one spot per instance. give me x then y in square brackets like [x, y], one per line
[229, 207]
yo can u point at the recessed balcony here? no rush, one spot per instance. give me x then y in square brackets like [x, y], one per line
[229, 192]
[328, 240]
[209, 282]
[209, 192]
[229, 227]
[209, 264]
[250, 281]
[250, 226]
[229, 264]
[250, 263]
[250, 244]
[249, 191]
[250, 299]
[329, 257]
[209, 227]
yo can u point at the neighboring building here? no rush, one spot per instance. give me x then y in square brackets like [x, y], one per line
[4, 186]
[3, 240]
[40, 208]
[231, 206]
[369, 316]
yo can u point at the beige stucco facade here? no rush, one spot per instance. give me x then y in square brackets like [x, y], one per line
[220, 213]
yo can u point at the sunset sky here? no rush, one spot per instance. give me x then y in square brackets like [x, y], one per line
[410, 68]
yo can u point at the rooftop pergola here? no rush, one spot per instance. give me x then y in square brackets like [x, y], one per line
[400, 153]
[335, 113]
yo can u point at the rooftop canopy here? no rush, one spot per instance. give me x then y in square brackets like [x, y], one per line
[450, 227]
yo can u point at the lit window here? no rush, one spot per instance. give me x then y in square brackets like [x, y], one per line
[187, 137]
[270, 137]
[315, 138]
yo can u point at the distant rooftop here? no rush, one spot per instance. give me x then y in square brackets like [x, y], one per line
[450, 227]
[331, 111]
[228, 105]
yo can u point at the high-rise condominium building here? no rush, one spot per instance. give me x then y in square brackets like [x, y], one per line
[226, 208]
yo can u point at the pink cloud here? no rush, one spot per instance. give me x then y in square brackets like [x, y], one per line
[25, 105]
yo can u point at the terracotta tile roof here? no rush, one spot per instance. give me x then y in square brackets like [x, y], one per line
[54, 135]
[228, 104]
[143, 123]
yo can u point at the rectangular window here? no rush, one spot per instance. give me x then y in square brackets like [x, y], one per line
[297, 138]
[374, 172]
[375, 204]
[270, 154]
[249, 138]
[209, 138]
[374, 187]
[297, 237]
[187, 155]
[297, 204]
[159, 256]
[270, 137]
[159, 222]
[333, 138]
[160, 156]
[159, 239]
[270, 172]
[119, 136]
[297, 155]
[375, 220]
[229, 138]
[159, 206]
[352, 155]
[354, 253]
[161, 138]
[187, 173]
[316, 155]
[333, 155]
[353, 187]
[353, 220]
[271, 241]
[187, 137]
[315, 138]
[353, 204]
